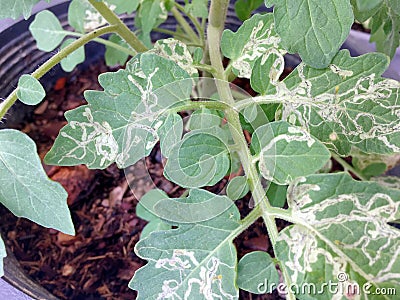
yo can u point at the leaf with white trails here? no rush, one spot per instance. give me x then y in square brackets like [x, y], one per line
[257, 273]
[176, 51]
[343, 235]
[47, 31]
[345, 105]
[199, 206]
[194, 261]
[30, 91]
[373, 164]
[314, 29]
[287, 152]
[121, 124]
[3, 254]
[114, 56]
[84, 17]
[123, 6]
[74, 59]
[25, 188]
[16, 8]
[254, 39]
[200, 159]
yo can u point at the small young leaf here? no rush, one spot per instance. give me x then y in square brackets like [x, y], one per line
[346, 105]
[197, 55]
[257, 273]
[287, 152]
[197, 8]
[30, 91]
[200, 159]
[314, 29]
[114, 56]
[199, 206]
[3, 253]
[150, 14]
[343, 235]
[182, 259]
[121, 123]
[277, 194]
[237, 187]
[26, 190]
[16, 8]
[244, 8]
[74, 59]
[47, 31]
[254, 39]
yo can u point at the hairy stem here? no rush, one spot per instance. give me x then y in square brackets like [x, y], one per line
[216, 19]
[347, 167]
[43, 69]
[105, 42]
[122, 29]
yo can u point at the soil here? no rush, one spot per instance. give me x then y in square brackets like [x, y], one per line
[99, 261]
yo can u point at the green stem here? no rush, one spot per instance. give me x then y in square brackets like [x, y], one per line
[193, 105]
[216, 19]
[347, 167]
[195, 22]
[105, 42]
[185, 25]
[172, 33]
[122, 29]
[43, 69]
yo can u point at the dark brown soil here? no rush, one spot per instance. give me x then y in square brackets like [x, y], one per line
[99, 261]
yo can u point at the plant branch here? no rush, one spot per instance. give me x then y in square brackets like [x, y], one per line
[195, 22]
[347, 167]
[122, 29]
[43, 69]
[216, 19]
[193, 105]
[185, 25]
[172, 33]
[105, 42]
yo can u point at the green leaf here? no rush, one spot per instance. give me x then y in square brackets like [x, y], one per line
[346, 105]
[287, 152]
[362, 15]
[314, 29]
[254, 39]
[47, 31]
[373, 164]
[385, 28]
[199, 206]
[194, 261]
[244, 8]
[3, 254]
[237, 187]
[200, 159]
[266, 72]
[114, 56]
[257, 273]
[154, 226]
[197, 8]
[25, 189]
[30, 91]
[170, 133]
[342, 234]
[121, 123]
[16, 8]
[204, 118]
[277, 194]
[176, 51]
[123, 6]
[150, 14]
[74, 59]
[84, 17]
